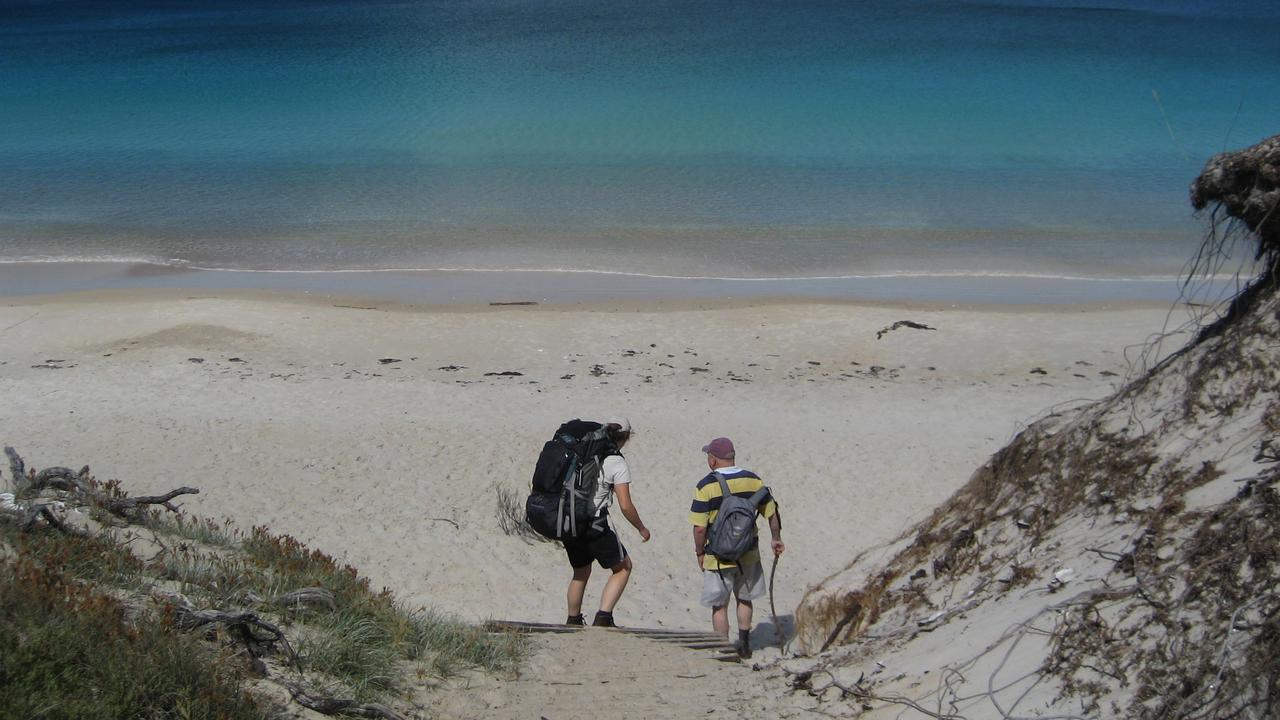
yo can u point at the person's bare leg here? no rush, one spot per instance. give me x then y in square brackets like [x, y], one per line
[744, 615]
[744, 628]
[614, 587]
[720, 621]
[578, 588]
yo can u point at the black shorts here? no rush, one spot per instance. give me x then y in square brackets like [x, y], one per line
[600, 543]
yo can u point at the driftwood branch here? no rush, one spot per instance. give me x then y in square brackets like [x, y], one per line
[242, 626]
[61, 478]
[81, 484]
[131, 507]
[42, 512]
[902, 324]
[16, 467]
[333, 706]
[856, 690]
[29, 518]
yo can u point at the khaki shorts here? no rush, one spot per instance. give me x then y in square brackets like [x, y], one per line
[744, 583]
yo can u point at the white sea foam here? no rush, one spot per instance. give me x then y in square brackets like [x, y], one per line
[95, 259]
[882, 275]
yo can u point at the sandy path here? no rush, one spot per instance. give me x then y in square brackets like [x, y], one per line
[599, 673]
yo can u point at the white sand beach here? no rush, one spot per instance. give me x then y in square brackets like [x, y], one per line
[379, 433]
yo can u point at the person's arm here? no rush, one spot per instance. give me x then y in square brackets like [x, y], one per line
[775, 529]
[628, 508]
[699, 543]
[700, 517]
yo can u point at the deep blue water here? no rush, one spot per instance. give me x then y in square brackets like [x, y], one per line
[717, 138]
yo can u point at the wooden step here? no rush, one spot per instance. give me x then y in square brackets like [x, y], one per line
[495, 626]
[692, 639]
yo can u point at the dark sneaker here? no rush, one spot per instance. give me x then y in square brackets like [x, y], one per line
[577, 620]
[603, 619]
[744, 644]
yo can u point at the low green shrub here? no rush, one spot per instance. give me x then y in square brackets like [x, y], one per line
[70, 647]
[69, 652]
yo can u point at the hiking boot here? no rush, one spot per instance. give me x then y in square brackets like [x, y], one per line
[576, 620]
[603, 619]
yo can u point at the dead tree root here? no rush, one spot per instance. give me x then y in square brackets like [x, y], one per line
[333, 706]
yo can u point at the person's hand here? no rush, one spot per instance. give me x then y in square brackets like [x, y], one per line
[644, 534]
[778, 547]
[699, 557]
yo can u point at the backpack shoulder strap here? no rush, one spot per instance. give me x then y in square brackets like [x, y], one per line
[724, 485]
[757, 497]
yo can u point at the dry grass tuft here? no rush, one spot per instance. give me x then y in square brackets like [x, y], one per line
[510, 513]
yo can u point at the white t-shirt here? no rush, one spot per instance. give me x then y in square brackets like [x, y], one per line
[613, 471]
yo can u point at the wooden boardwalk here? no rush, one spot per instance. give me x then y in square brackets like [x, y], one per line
[692, 639]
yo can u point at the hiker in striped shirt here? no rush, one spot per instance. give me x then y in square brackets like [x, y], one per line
[743, 579]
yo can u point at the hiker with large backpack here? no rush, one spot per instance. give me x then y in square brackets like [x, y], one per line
[579, 473]
[725, 505]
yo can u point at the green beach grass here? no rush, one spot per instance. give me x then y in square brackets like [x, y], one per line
[96, 623]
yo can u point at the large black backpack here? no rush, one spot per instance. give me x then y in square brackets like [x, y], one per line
[565, 479]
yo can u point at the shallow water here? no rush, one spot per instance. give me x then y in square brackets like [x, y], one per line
[699, 140]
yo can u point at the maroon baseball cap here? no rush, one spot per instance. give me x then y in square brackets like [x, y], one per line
[721, 447]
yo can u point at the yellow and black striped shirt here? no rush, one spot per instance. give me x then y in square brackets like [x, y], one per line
[706, 504]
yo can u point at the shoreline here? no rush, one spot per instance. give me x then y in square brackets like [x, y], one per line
[580, 289]
[363, 302]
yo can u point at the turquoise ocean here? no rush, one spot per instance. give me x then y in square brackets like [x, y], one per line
[822, 144]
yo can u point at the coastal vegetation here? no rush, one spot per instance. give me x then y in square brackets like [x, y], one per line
[119, 606]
